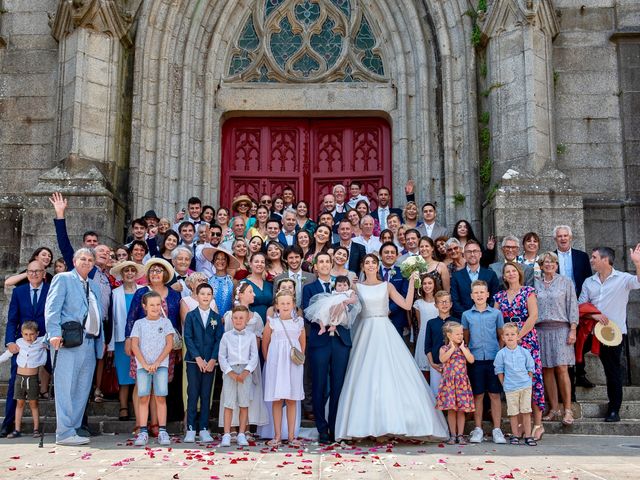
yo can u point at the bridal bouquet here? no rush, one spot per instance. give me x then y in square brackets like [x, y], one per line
[414, 263]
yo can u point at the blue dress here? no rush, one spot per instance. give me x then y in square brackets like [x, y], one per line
[222, 293]
[263, 299]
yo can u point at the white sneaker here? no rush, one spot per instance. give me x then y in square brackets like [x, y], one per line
[205, 436]
[242, 440]
[477, 435]
[73, 440]
[164, 438]
[498, 436]
[190, 436]
[141, 439]
[226, 440]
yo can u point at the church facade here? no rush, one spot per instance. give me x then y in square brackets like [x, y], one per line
[517, 115]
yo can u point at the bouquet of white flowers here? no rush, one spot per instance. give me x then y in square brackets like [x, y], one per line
[415, 263]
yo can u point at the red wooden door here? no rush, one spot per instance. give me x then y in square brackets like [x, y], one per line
[262, 155]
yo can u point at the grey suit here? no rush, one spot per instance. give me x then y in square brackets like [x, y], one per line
[307, 278]
[437, 231]
[529, 279]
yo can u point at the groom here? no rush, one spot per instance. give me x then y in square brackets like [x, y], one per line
[328, 355]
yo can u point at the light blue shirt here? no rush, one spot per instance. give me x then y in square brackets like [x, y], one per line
[483, 335]
[565, 264]
[515, 365]
[473, 275]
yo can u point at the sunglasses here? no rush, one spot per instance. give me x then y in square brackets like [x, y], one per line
[216, 234]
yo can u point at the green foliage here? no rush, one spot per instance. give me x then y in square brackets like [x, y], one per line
[476, 35]
[491, 193]
[484, 118]
[561, 149]
[556, 77]
[486, 169]
[482, 5]
[483, 69]
[458, 199]
[485, 138]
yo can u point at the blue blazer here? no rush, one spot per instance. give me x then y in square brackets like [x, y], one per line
[21, 310]
[581, 268]
[397, 211]
[283, 239]
[67, 301]
[461, 289]
[200, 341]
[315, 340]
[64, 244]
[397, 314]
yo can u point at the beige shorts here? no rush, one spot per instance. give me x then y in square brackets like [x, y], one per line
[518, 401]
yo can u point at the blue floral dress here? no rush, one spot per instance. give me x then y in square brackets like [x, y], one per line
[518, 308]
[222, 292]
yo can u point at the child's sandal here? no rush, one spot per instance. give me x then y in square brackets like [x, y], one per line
[15, 434]
[530, 441]
[295, 443]
[461, 440]
[452, 440]
[515, 440]
[36, 433]
[98, 396]
[273, 443]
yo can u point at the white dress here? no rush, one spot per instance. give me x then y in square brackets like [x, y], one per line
[384, 391]
[427, 311]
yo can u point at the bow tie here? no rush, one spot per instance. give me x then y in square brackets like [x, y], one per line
[239, 332]
[181, 277]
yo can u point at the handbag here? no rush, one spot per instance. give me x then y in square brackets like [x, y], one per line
[297, 357]
[110, 386]
[73, 332]
[177, 338]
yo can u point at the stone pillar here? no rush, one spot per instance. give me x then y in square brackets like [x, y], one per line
[93, 41]
[517, 94]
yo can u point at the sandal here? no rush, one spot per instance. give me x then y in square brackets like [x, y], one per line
[568, 417]
[36, 433]
[514, 440]
[44, 396]
[15, 434]
[273, 443]
[452, 440]
[98, 396]
[295, 443]
[461, 440]
[552, 415]
[123, 418]
[533, 432]
[530, 441]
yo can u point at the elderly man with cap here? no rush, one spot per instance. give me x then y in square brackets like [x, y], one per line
[608, 290]
[73, 297]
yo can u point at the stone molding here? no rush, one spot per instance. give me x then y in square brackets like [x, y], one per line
[104, 16]
[504, 15]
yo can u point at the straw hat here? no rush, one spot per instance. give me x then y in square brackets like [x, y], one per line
[240, 199]
[210, 252]
[609, 334]
[116, 270]
[163, 263]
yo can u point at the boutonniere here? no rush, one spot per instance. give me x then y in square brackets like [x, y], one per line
[392, 272]
[213, 322]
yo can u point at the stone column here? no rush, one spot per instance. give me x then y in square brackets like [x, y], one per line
[527, 191]
[93, 42]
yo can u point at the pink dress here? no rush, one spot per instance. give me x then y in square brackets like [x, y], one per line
[283, 379]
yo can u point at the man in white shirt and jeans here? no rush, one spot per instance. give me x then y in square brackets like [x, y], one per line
[608, 290]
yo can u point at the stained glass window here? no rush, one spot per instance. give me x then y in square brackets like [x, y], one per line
[317, 34]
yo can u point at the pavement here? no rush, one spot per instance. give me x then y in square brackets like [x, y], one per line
[571, 457]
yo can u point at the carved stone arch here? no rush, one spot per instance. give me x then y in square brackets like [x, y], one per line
[181, 98]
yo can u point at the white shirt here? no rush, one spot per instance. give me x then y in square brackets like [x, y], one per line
[354, 200]
[92, 326]
[428, 228]
[204, 316]
[372, 245]
[202, 264]
[612, 296]
[31, 355]
[289, 237]
[238, 348]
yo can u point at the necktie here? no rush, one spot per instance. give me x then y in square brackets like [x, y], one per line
[382, 215]
[327, 287]
[386, 274]
[34, 302]
[296, 278]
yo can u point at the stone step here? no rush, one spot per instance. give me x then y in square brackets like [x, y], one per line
[598, 409]
[599, 392]
[110, 426]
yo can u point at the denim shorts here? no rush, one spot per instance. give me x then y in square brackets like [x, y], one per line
[160, 381]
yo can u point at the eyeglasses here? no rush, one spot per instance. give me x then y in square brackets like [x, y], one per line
[508, 247]
[443, 302]
[129, 269]
[216, 234]
[156, 270]
[34, 272]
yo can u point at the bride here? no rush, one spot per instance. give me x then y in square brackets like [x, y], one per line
[384, 392]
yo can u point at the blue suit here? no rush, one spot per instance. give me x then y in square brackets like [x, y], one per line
[581, 268]
[202, 342]
[73, 376]
[328, 357]
[21, 310]
[357, 252]
[461, 289]
[64, 244]
[283, 239]
[397, 314]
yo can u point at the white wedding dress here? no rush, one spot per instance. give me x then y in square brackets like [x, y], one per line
[384, 392]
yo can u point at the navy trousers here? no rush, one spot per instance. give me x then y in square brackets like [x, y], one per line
[199, 387]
